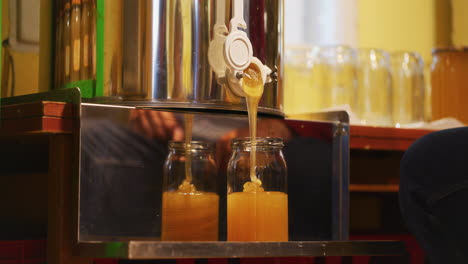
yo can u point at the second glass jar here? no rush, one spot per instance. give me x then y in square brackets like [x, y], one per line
[257, 205]
[190, 200]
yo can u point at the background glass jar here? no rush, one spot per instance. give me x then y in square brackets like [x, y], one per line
[449, 81]
[340, 75]
[374, 94]
[408, 88]
[190, 199]
[257, 204]
[305, 80]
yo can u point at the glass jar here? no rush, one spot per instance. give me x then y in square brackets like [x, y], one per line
[257, 205]
[449, 81]
[408, 88]
[190, 199]
[341, 76]
[374, 94]
[304, 79]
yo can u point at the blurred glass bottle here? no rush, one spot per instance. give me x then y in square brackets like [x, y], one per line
[408, 88]
[86, 44]
[59, 43]
[190, 202]
[75, 34]
[427, 91]
[66, 38]
[374, 96]
[341, 75]
[304, 80]
[93, 44]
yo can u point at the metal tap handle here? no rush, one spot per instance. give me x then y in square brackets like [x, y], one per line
[220, 25]
[216, 47]
[237, 22]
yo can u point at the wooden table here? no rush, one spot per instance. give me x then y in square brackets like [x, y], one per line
[384, 138]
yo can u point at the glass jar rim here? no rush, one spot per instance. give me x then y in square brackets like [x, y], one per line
[192, 145]
[368, 50]
[260, 142]
[399, 53]
[453, 49]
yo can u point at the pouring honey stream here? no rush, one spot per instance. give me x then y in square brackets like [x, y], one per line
[250, 210]
[189, 204]
[252, 86]
[187, 185]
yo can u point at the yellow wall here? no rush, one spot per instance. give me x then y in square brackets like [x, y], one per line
[460, 22]
[27, 73]
[397, 25]
[416, 25]
[26, 64]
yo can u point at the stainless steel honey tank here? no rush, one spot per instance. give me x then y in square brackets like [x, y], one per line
[165, 54]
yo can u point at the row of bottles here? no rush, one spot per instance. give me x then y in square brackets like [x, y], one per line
[375, 87]
[75, 41]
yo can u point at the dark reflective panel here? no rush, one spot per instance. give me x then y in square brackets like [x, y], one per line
[120, 181]
[122, 158]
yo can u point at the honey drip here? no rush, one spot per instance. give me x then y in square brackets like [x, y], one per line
[250, 211]
[187, 186]
[252, 86]
[187, 207]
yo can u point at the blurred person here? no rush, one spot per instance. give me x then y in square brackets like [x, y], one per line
[160, 125]
[433, 194]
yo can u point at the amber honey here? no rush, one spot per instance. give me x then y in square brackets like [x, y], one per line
[190, 216]
[253, 88]
[259, 216]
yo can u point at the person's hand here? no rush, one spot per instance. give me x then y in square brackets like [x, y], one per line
[158, 125]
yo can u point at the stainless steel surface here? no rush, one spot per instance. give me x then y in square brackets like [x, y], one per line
[166, 250]
[166, 54]
[336, 116]
[340, 180]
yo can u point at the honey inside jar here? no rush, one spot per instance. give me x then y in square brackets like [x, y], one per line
[256, 214]
[189, 214]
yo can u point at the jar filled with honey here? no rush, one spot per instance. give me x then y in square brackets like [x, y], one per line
[449, 81]
[190, 199]
[257, 201]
